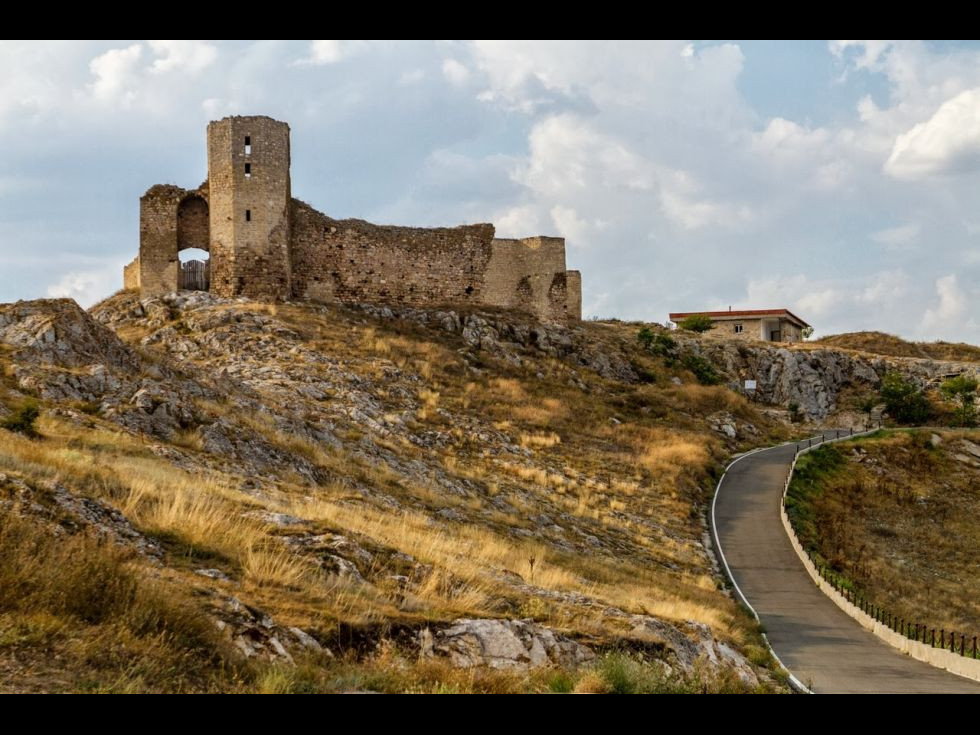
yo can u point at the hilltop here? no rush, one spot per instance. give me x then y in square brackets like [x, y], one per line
[297, 497]
[879, 343]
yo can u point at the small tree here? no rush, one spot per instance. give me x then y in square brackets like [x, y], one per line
[699, 323]
[904, 400]
[703, 370]
[24, 419]
[867, 405]
[806, 332]
[661, 345]
[962, 390]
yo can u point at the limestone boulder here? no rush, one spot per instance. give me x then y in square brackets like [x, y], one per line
[503, 644]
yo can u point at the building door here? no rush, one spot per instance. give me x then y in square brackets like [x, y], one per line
[774, 335]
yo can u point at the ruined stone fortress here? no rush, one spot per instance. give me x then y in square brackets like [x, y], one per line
[265, 245]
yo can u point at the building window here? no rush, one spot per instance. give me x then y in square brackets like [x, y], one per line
[248, 215]
[248, 145]
[738, 329]
[248, 170]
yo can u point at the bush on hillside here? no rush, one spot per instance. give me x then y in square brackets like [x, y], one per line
[703, 370]
[962, 391]
[904, 400]
[24, 419]
[696, 323]
[661, 345]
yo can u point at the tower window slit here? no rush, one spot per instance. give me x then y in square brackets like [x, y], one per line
[248, 145]
[248, 215]
[248, 170]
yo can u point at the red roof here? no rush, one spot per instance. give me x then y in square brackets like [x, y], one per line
[677, 316]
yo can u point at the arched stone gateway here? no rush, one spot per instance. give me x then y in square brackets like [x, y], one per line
[194, 232]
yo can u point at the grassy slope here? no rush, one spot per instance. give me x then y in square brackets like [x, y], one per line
[879, 343]
[899, 518]
[631, 465]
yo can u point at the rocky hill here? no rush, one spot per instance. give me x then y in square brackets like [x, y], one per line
[825, 383]
[879, 343]
[294, 497]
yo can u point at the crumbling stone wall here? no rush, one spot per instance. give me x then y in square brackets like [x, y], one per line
[249, 207]
[171, 219]
[131, 275]
[529, 274]
[158, 239]
[353, 260]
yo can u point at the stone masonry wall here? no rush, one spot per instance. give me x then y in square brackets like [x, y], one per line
[131, 275]
[529, 274]
[573, 306]
[249, 210]
[353, 260]
[193, 228]
[171, 219]
[158, 239]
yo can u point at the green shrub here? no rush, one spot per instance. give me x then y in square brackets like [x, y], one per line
[661, 345]
[795, 415]
[24, 419]
[904, 401]
[703, 370]
[962, 391]
[696, 323]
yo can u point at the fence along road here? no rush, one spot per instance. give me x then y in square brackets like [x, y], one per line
[820, 645]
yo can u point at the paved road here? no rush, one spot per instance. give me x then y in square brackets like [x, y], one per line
[815, 640]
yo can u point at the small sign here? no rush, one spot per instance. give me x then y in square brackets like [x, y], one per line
[749, 385]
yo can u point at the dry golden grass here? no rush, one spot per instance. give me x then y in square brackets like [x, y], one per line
[901, 523]
[540, 440]
[623, 465]
[879, 343]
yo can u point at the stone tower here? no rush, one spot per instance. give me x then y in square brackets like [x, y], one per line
[249, 200]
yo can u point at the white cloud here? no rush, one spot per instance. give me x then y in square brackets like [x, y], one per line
[902, 237]
[322, 53]
[568, 154]
[325, 52]
[867, 54]
[520, 221]
[187, 56]
[682, 202]
[116, 72]
[87, 287]
[946, 316]
[570, 225]
[411, 76]
[455, 72]
[946, 143]
[886, 288]
[808, 299]
[784, 137]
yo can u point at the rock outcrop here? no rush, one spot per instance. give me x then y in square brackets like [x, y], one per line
[503, 644]
[813, 379]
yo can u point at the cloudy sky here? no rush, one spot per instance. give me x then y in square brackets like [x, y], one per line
[840, 179]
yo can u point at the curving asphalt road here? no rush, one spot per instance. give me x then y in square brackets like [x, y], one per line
[824, 648]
